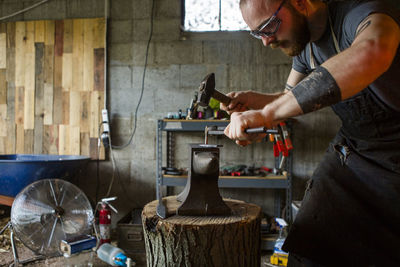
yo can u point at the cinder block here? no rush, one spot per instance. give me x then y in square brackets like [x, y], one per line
[178, 52]
[167, 29]
[139, 53]
[84, 9]
[10, 7]
[49, 10]
[142, 8]
[192, 75]
[141, 29]
[120, 77]
[162, 78]
[121, 9]
[168, 9]
[120, 31]
[121, 53]
[221, 76]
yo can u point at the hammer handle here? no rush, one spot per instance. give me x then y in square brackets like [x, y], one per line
[221, 97]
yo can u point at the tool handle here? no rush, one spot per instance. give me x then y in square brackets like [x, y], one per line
[221, 97]
[261, 130]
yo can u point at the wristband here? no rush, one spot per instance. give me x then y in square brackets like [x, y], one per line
[317, 90]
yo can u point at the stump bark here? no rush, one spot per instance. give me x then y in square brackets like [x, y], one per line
[227, 241]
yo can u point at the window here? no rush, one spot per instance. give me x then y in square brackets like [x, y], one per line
[212, 15]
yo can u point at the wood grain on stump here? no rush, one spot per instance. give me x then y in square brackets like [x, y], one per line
[202, 240]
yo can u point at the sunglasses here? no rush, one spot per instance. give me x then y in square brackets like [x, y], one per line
[268, 27]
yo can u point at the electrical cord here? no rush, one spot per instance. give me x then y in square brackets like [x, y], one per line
[24, 10]
[143, 79]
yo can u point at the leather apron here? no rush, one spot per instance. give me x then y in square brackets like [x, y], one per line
[350, 214]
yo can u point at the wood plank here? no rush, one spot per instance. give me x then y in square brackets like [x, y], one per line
[48, 104]
[88, 26]
[84, 112]
[49, 32]
[10, 35]
[20, 144]
[30, 37]
[94, 114]
[63, 140]
[57, 91]
[3, 145]
[3, 86]
[85, 144]
[19, 105]
[39, 96]
[99, 69]
[74, 108]
[74, 140]
[48, 75]
[59, 38]
[39, 31]
[29, 110]
[11, 54]
[94, 150]
[29, 140]
[39, 79]
[38, 138]
[77, 54]
[68, 37]
[3, 120]
[11, 136]
[3, 27]
[50, 139]
[5, 200]
[67, 72]
[19, 54]
[3, 50]
[99, 33]
[65, 108]
[29, 83]
[48, 64]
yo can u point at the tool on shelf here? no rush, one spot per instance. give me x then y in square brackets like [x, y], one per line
[205, 92]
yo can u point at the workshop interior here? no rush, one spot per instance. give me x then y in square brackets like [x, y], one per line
[112, 142]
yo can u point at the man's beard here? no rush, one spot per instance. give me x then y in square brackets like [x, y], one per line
[300, 36]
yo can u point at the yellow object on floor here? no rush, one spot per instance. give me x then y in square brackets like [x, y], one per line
[279, 259]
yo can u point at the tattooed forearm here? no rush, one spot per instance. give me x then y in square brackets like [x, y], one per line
[363, 26]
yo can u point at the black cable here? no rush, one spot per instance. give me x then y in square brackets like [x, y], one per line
[143, 79]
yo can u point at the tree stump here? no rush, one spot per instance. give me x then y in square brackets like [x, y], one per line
[202, 241]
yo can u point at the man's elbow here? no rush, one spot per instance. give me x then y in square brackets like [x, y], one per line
[380, 53]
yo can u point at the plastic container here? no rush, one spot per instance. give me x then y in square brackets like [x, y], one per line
[112, 255]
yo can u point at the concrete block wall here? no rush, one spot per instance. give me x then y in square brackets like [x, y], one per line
[177, 62]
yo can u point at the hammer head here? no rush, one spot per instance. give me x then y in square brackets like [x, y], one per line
[206, 90]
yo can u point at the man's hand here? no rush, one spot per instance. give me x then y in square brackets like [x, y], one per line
[239, 102]
[240, 121]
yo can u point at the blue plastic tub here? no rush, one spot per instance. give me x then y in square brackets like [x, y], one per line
[20, 170]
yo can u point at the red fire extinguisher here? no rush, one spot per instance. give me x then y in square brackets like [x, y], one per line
[105, 219]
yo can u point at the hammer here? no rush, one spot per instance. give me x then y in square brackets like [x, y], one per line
[207, 90]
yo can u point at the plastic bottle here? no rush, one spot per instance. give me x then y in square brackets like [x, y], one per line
[281, 238]
[112, 255]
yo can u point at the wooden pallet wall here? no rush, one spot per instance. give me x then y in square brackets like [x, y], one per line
[51, 86]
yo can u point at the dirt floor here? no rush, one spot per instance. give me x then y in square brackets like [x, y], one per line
[82, 259]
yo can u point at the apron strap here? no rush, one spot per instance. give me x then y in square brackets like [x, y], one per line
[313, 63]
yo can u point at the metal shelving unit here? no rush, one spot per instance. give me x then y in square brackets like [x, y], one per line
[271, 181]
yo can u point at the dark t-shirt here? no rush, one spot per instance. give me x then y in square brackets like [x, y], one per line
[346, 17]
